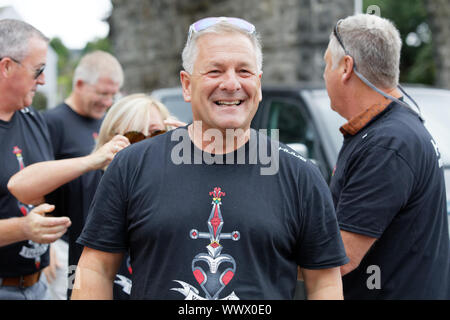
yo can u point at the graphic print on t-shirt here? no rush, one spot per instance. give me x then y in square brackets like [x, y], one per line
[123, 281]
[221, 268]
[36, 250]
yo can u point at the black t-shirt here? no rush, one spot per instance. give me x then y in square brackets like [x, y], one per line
[388, 184]
[24, 140]
[72, 136]
[218, 231]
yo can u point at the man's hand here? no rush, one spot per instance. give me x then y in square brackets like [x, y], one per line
[41, 229]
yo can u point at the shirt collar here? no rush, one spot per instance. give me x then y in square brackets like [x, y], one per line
[355, 124]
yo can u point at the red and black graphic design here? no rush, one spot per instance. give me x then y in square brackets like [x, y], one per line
[36, 250]
[212, 270]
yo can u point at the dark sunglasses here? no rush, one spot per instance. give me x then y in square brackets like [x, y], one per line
[206, 23]
[37, 72]
[136, 136]
[368, 83]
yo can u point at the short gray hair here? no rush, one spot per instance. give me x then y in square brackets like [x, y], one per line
[98, 64]
[375, 45]
[15, 36]
[190, 49]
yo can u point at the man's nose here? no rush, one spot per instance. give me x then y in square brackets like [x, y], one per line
[41, 79]
[230, 81]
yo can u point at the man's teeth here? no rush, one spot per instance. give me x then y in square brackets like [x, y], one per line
[229, 103]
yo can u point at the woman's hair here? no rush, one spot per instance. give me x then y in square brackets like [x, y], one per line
[131, 113]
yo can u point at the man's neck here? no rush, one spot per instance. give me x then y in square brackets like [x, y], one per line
[368, 98]
[217, 141]
[6, 112]
[6, 115]
[73, 102]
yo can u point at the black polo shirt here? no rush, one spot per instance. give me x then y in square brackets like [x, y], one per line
[389, 184]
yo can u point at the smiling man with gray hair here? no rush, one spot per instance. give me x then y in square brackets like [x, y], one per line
[213, 230]
[388, 184]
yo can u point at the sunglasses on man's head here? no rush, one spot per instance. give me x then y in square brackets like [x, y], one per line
[136, 136]
[370, 84]
[341, 42]
[206, 23]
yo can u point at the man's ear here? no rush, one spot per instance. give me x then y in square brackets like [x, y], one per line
[5, 67]
[185, 79]
[79, 84]
[347, 68]
[260, 88]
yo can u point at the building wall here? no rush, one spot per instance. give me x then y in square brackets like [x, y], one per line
[149, 35]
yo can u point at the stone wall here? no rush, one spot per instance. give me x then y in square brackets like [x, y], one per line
[439, 20]
[149, 35]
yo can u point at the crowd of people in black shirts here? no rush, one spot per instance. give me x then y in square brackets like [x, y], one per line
[92, 205]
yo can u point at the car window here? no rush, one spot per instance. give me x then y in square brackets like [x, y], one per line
[330, 120]
[435, 107]
[178, 107]
[293, 123]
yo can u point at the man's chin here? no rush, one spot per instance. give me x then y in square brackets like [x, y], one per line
[98, 115]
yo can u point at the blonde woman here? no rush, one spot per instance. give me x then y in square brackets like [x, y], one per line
[137, 116]
[130, 120]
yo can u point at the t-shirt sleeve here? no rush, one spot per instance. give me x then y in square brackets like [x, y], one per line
[106, 227]
[320, 240]
[378, 184]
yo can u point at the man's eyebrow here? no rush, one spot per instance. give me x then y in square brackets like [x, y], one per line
[40, 65]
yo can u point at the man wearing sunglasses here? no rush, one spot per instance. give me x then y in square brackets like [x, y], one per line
[24, 231]
[74, 126]
[213, 231]
[388, 184]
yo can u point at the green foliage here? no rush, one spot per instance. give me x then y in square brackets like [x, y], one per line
[39, 101]
[66, 66]
[410, 17]
[62, 52]
[68, 60]
[99, 44]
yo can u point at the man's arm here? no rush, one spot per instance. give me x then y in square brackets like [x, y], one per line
[323, 284]
[356, 247]
[95, 275]
[35, 181]
[34, 226]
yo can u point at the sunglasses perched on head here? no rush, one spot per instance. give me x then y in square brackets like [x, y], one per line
[206, 23]
[367, 82]
[136, 136]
